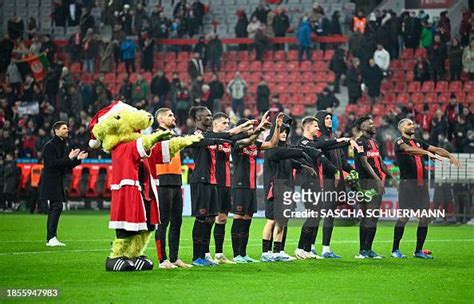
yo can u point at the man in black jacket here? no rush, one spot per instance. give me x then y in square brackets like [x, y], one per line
[52, 189]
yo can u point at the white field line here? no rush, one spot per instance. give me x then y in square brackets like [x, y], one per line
[189, 247]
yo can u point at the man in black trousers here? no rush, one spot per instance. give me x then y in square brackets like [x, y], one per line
[52, 189]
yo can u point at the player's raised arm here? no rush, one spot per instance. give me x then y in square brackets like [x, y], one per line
[444, 153]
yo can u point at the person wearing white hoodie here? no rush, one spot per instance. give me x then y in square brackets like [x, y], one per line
[382, 58]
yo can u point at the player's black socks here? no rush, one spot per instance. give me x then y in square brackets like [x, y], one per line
[219, 234]
[266, 245]
[197, 241]
[328, 226]
[369, 237]
[244, 237]
[305, 238]
[206, 238]
[362, 236]
[277, 247]
[235, 234]
[421, 233]
[398, 234]
[283, 240]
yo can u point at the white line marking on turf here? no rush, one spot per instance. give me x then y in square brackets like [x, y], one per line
[189, 247]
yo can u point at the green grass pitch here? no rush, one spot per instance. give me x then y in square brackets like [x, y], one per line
[77, 270]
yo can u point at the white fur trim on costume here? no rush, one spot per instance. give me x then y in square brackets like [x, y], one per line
[141, 148]
[126, 182]
[165, 151]
[127, 226]
[120, 106]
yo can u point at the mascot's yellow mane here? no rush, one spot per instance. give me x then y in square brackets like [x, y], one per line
[122, 127]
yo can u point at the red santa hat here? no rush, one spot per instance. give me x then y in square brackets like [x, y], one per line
[102, 115]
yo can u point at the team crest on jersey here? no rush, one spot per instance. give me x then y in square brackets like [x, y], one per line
[224, 148]
[305, 142]
[197, 131]
[373, 154]
[250, 151]
[400, 141]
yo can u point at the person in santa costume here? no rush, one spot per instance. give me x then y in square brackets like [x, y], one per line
[118, 129]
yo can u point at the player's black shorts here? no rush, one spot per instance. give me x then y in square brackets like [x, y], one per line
[279, 208]
[376, 201]
[412, 196]
[224, 203]
[203, 199]
[312, 203]
[244, 201]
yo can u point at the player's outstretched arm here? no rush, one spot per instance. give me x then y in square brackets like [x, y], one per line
[444, 153]
[417, 151]
[276, 135]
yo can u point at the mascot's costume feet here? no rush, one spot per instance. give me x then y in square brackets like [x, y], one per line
[134, 204]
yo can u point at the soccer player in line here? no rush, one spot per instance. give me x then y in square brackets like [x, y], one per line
[333, 182]
[244, 181]
[168, 177]
[203, 180]
[314, 184]
[372, 174]
[278, 166]
[413, 191]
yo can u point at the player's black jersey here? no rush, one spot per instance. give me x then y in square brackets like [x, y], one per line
[245, 166]
[223, 164]
[369, 149]
[411, 167]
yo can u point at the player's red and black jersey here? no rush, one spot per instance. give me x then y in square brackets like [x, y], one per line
[319, 161]
[245, 166]
[411, 167]
[223, 164]
[204, 154]
[369, 149]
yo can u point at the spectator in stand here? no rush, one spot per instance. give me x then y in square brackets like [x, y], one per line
[49, 48]
[214, 52]
[303, 35]
[326, 99]
[175, 86]
[139, 17]
[36, 45]
[117, 37]
[16, 27]
[372, 78]
[356, 42]
[14, 77]
[106, 51]
[126, 89]
[439, 126]
[183, 103]
[335, 27]
[127, 53]
[452, 110]
[253, 26]
[444, 26]
[241, 27]
[59, 13]
[338, 66]
[140, 89]
[11, 179]
[160, 86]
[263, 96]
[261, 13]
[90, 49]
[421, 70]
[237, 89]
[6, 49]
[180, 9]
[468, 59]
[216, 94]
[193, 19]
[460, 132]
[269, 25]
[261, 43]
[468, 143]
[455, 60]
[423, 119]
[359, 22]
[408, 30]
[147, 44]
[466, 111]
[280, 25]
[75, 46]
[87, 21]
[125, 19]
[275, 106]
[426, 35]
[195, 67]
[8, 141]
[202, 48]
[195, 92]
[382, 59]
[354, 81]
[74, 13]
[315, 15]
[437, 55]
[465, 28]
[205, 95]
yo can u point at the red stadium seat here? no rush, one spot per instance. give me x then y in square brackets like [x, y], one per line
[279, 66]
[309, 100]
[386, 87]
[398, 76]
[170, 67]
[388, 98]
[255, 66]
[281, 77]
[267, 66]
[414, 86]
[294, 77]
[230, 66]
[110, 77]
[442, 86]
[320, 77]
[243, 66]
[470, 98]
[444, 97]
[328, 54]
[400, 87]
[460, 96]
[298, 110]
[294, 88]
[242, 56]
[455, 86]
[306, 66]
[417, 97]
[268, 56]
[428, 86]
[170, 56]
[403, 98]
[431, 97]
[407, 54]
[282, 88]
[320, 87]
[420, 52]
[408, 65]
[293, 66]
[319, 66]
[292, 55]
[279, 56]
[75, 68]
[469, 86]
[330, 77]
[183, 56]
[409, 75]
[87, 78]
[395, 64]
[317, 55]
[296, 98]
